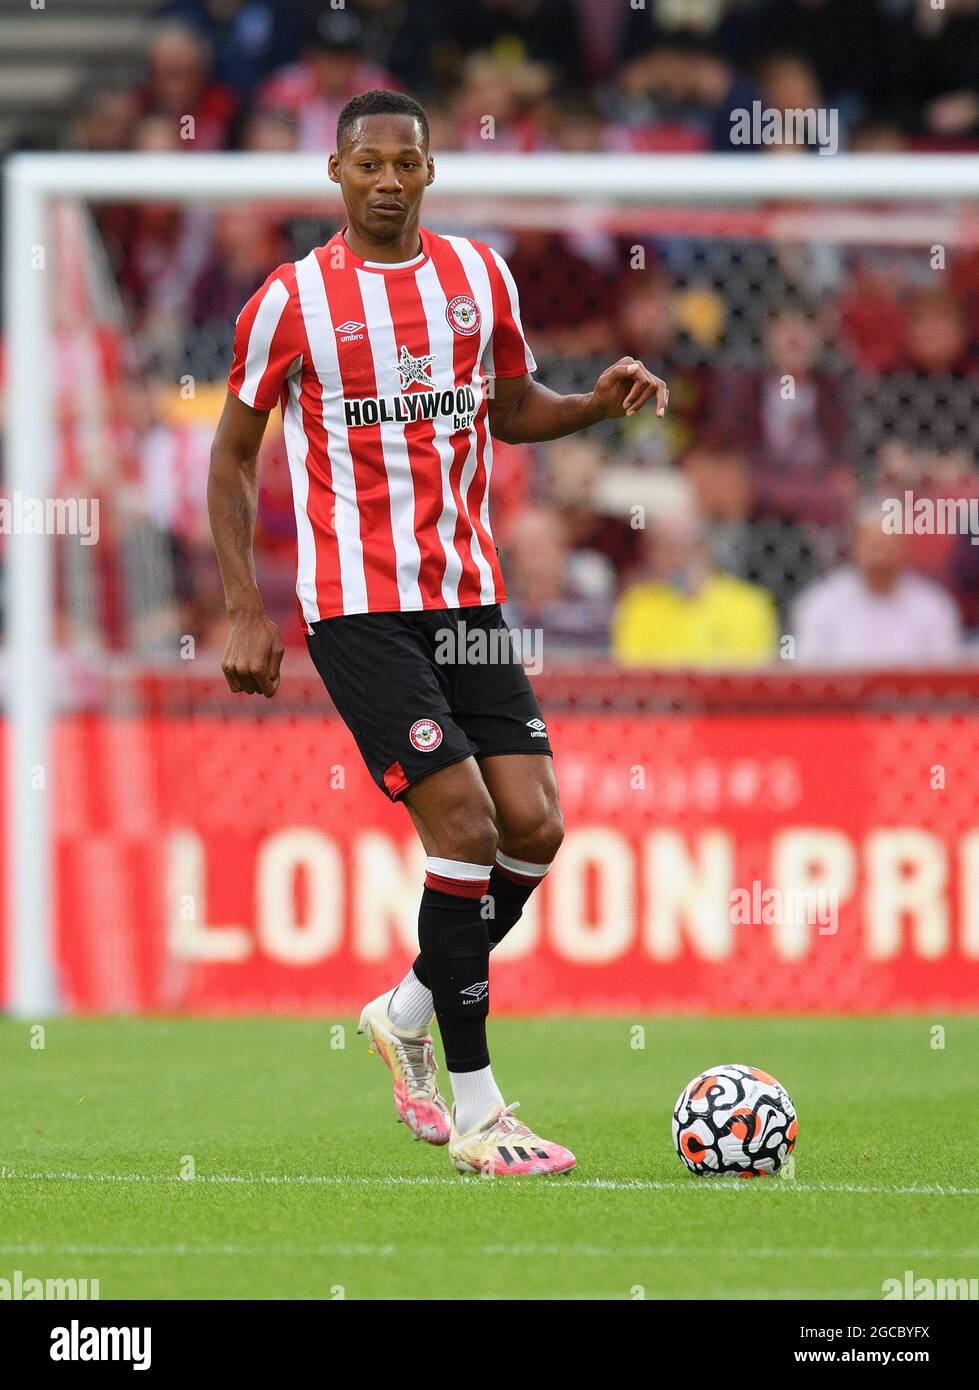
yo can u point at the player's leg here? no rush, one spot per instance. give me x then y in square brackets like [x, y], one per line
[456, 818]
[496, 707]
[494, 704]
[377, 670]
[530, 829]
[454, 814]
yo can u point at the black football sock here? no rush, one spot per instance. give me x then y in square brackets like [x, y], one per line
[454, 942]
[508, 892]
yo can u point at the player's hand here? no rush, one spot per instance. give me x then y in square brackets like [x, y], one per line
[625, 387]
[253, 655]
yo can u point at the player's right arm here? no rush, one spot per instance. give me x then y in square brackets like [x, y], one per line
[253, 653]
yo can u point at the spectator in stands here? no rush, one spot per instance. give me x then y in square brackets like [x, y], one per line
[603, 548]
[875, 611]
[720, 484]
[569, 604]
[405, 37]
[844, 42]
[931, 397]
[334, 67]
[572, 122]
[789, 84]
[871, 313]
[181, 87]
[686, 612]
[270, 132]
[157, 584]
[246, 242]
[538, 31]
[105, 124]
[566, 300]
[501, 106]
[791, 416]
[249, 38]
[162, 253]
[932, 63]
[661, 21]
[677, 330]
[939, 475]
[937, 339]
[877, 133]
[649, 105]
[679, 96]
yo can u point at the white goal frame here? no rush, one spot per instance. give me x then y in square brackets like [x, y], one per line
[34, 181]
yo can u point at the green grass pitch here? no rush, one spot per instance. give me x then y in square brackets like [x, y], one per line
[307, 1188]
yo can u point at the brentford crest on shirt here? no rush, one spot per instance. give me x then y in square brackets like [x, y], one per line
[425, 735]
[463, 314]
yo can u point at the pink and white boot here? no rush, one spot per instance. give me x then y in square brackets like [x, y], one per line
[411, 1061]
[500, 1146]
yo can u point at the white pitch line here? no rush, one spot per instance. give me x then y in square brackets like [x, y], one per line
[529, 1249]
[464, 1182]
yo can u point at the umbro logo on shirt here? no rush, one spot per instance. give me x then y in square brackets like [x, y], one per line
[350, 332]
[538, 728]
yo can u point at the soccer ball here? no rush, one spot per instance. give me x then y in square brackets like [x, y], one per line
[735, 1121]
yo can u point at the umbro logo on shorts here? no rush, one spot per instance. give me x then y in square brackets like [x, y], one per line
[474, 993]
[538, 728]
[425, 735]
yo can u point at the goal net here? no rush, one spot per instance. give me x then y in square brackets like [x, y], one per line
[779, 817]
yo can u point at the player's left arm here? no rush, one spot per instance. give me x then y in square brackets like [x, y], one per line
[522, 411]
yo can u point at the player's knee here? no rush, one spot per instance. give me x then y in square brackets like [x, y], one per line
[467, 832]
[549, 836]
[536, 837]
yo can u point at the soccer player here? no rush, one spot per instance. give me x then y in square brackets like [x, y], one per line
[395, 354]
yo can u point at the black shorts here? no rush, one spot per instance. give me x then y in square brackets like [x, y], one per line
[422, 690]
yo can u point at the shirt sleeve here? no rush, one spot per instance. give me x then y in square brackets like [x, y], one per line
[508, 353]
[268, 344]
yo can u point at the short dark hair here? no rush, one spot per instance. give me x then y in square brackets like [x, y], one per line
[380, 103]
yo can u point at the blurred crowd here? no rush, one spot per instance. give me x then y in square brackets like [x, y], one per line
[809, 378]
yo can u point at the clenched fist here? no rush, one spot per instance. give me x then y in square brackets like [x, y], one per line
[253, 655]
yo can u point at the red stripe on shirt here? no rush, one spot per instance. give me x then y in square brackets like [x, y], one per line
[410, 330]
[319, 471]
[358, 373]
[454, 281]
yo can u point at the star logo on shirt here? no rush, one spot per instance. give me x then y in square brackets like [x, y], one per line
[414, 369]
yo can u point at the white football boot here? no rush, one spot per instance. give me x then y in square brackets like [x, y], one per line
[500, 1146]
[411, 1061]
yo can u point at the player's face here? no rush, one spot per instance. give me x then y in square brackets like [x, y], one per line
[383, 170]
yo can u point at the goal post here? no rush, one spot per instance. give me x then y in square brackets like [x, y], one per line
[34, 181]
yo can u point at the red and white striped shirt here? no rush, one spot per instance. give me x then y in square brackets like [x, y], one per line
[381, 373]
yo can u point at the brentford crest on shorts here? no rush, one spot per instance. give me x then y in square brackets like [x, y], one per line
[425, 735]
[381, 372]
